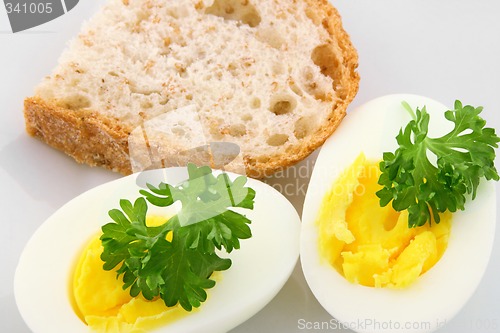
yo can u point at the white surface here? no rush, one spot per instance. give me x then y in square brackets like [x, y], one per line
[445, 50]
[265, 261]
[437, 296]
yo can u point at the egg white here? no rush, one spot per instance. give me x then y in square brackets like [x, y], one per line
[441, 292]
[259, 269]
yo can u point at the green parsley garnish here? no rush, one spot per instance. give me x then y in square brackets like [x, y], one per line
[463, 156]
[179, 270]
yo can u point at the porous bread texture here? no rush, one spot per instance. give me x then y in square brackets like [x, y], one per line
[156, 83]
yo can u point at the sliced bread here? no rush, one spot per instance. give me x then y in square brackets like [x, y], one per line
[249, 85]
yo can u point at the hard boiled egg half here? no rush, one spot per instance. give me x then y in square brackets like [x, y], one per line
[437, 295]
[259, 268]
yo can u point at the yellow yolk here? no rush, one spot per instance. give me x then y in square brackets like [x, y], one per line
[104, 306]
[372, 245]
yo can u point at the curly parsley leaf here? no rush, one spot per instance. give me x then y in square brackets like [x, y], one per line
[178, 270]
[462, 157]
[203, 195]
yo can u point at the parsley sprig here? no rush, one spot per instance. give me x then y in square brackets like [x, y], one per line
[463, 156]
[178, 270]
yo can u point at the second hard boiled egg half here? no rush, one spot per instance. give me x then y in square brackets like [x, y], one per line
[441, 268]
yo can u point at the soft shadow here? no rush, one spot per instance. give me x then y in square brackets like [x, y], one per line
[294, 181]
[292, 310]
[10, 318]
[46, 174]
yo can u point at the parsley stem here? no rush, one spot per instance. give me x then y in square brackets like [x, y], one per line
[408, 108]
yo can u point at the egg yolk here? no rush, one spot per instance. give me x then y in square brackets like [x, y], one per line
[372, 245]
[104, 306]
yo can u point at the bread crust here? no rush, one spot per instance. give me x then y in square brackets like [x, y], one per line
[86, 136]
[91, 138]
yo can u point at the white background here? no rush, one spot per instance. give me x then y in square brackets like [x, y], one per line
[446, 50]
